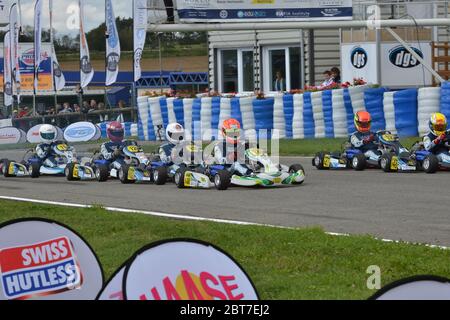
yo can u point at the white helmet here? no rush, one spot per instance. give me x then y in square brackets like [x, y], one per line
[175, 133]
[48, 133]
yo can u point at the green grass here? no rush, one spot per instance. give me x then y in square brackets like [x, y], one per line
[284, 264]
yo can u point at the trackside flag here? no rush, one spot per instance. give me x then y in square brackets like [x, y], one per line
[7, 79]
[140, 16]
[59, 81]
[14, 29]
[112, 45]
[37, 41]
[86, 70]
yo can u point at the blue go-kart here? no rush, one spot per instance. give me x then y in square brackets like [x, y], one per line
[430, 162]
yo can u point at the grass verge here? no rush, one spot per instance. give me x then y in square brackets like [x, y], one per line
[283, 263]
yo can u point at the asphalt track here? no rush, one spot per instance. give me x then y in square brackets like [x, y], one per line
[412, 207]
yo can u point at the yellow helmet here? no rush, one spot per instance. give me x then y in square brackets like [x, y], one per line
[438, 124]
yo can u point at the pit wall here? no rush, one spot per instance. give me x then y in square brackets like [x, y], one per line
[312, 115]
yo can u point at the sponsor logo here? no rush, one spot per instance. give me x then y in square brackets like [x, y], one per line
[223, 14]
[402, 58]
[137, 57]
[113, 62]
[359, 58]
[85, 65]
[39, 269]
[331, 12]
[191, 286]
[79, 132]
[57, 72]
[8, 89]
[28, 57]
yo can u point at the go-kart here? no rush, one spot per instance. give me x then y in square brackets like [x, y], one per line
[264, 173]
[185, 172]
[394, 156]
[63, 157]
[430, 162]
[135, 169]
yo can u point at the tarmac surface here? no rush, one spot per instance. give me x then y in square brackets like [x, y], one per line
[412, 207]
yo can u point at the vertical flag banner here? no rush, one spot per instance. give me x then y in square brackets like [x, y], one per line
[7, 79]
[112, 45]
[140, 16]
[59, 81]
[14, 29]
[37, 41]
[86, 70]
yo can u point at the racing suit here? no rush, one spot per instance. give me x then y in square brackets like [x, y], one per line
[436, 146]
[366, 143]
[44, 152]
[232, 156]
[108, 150]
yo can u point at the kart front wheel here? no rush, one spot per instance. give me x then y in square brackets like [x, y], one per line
[296, 168]
[35, 170]
[222, 180]
[5, 169]
[160, 176]
[430, 164]
[101, 173]
[179, 178]
[359, 162]
[319, 160]
[386, 162]
[69, 172]
[123, 174]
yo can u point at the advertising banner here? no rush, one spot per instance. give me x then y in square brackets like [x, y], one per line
[185, 270]
[4, 11]
[267, 10]
[359, 60]
[41, 259]
[86, 70]
[26, 59]
[112, 45]
[140, 20]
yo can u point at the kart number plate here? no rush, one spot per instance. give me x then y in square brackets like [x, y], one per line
[394, 163]
[62, 147]
[133, 149]
[277, 180]
[131, 174]
[187, 179]
[11, 169]
[76, 171]
[326, 161]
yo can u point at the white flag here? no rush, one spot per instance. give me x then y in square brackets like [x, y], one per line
[86, 70]
[140, 16]
[112, 45]
[7, 79]
[59, 81]
[37, 41]
[14, 29]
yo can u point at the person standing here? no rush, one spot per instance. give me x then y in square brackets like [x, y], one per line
[279, 83]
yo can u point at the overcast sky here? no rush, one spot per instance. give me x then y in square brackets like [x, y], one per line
[63, 9]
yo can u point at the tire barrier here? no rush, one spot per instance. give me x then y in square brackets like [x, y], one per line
[323, 114]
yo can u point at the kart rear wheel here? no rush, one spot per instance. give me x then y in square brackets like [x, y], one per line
[179, 178]
[69, 172]
[123, 174]
[296, 168]
[35, 170]
[5, 169]
[386, 162]
[430, 164]
[318, 161]
[359, 162]
[101, 173]
[222, 180]
[160, 176]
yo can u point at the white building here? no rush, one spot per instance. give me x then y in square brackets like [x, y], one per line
[245, 61]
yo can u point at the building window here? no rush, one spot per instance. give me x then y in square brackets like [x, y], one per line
[282, 68]
[236, 70]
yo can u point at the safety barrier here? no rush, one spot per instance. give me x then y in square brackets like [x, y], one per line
[323, 114]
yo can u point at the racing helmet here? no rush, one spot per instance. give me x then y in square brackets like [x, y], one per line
[48, 133]
[438, 124]
[175, 133]
[115, 131]
[231, 131]
[363, 121]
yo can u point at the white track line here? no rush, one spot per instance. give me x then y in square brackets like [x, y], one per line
[194, 218]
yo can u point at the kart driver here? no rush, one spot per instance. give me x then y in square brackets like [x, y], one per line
[435, 140]
[112, 150]
[44, 151]
[175, 136]
[230, 152]
[363, 139]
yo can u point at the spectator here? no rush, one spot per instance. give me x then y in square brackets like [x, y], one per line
[51, 111]
[66, 108]
[279, 83]
[328, 79]
[103, 117]
[336, 74]
[23, 112]
[76, 108]
[85, 107]
[121, 104]
[15, 114]
[93, 106]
